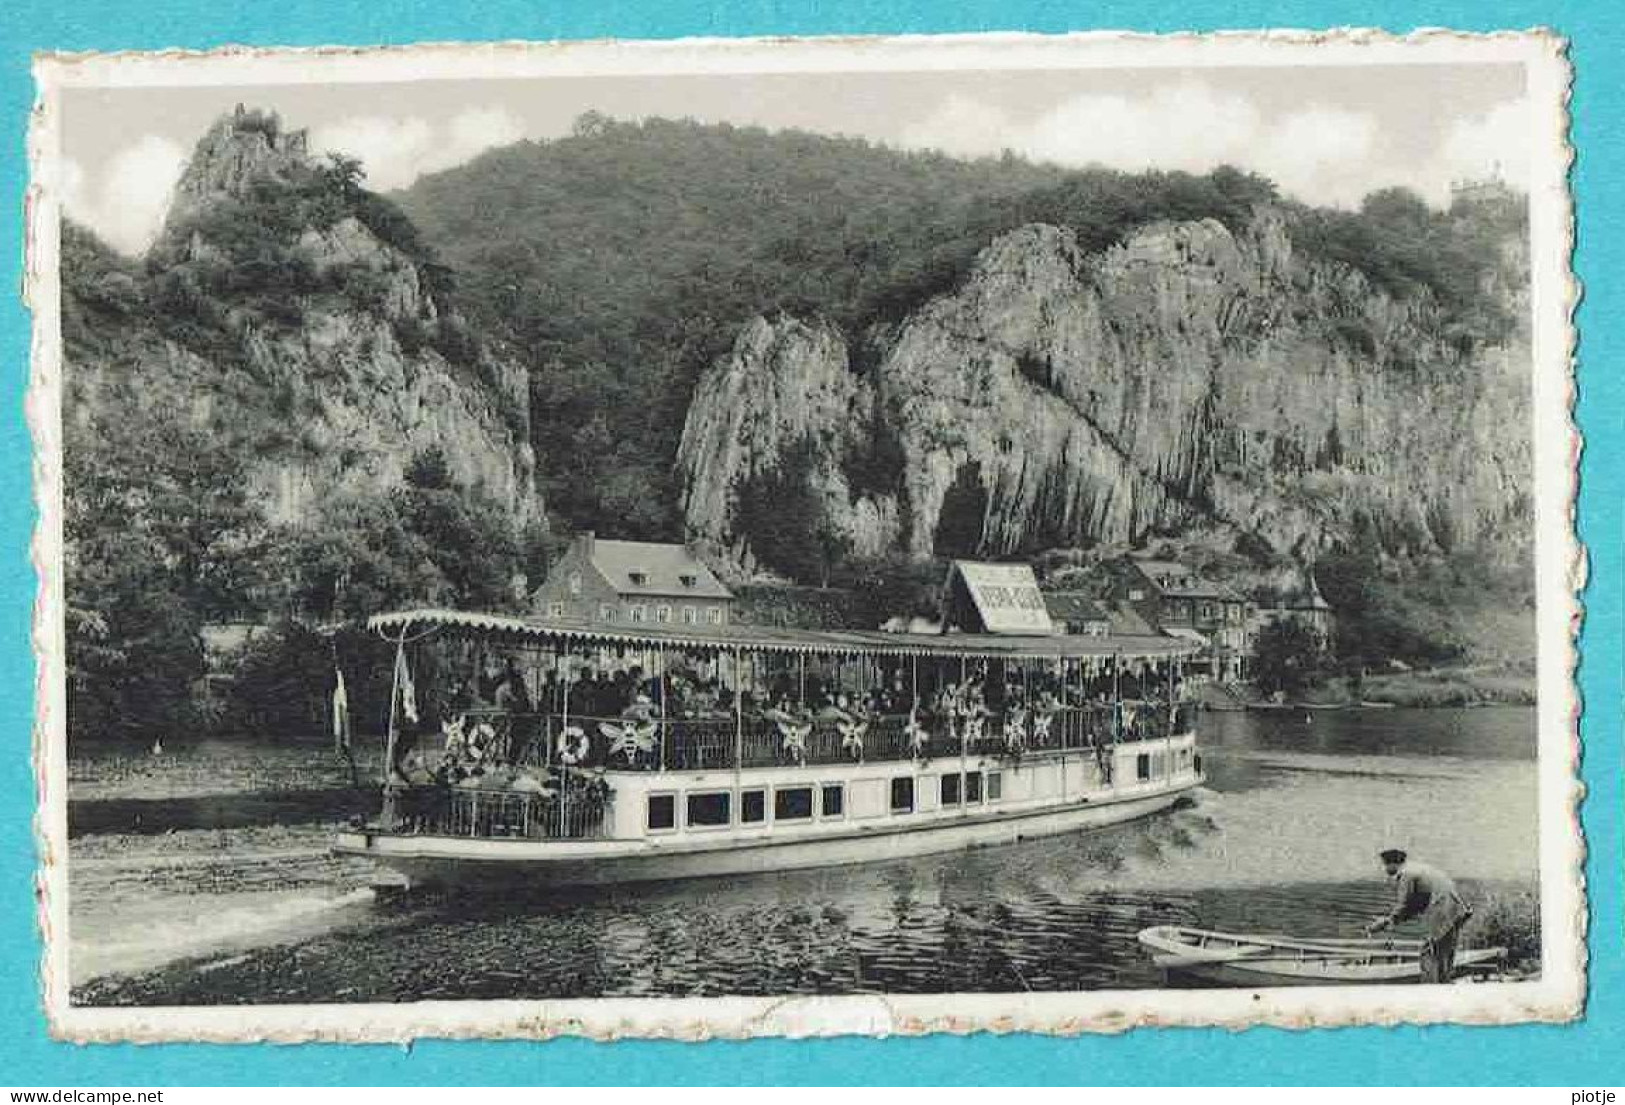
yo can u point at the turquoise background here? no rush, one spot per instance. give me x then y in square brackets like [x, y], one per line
[1591, 1052]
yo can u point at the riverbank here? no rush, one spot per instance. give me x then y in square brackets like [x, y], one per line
[1508, 685]
[1483, 686]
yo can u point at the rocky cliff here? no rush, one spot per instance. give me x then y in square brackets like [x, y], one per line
[1188, 380]
[293, 314]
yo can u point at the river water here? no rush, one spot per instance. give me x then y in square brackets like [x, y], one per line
[243, 904]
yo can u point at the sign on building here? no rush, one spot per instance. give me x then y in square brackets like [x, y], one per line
[1004, 597]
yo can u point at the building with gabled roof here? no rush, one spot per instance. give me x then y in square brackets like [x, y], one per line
[1304, 605]
[1077, 613]
[611, 582]
[1179, 602]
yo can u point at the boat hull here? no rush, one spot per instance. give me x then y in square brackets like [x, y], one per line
[465, 862]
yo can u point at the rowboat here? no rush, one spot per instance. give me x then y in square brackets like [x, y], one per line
[1230, 959]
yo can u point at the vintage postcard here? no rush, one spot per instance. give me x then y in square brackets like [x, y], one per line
[720, 538]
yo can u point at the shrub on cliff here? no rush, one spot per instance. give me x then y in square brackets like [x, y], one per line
[431, 541]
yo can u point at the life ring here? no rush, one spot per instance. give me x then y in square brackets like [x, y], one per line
[573, 745]
[480, 740]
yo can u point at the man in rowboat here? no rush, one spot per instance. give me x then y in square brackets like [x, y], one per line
[1424, 891]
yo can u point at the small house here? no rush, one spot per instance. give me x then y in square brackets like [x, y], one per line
[1075, 613]
[1181, 603]
[632, 583]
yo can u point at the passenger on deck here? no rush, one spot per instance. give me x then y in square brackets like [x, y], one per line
[492, 675]
[523, 781]
[415, 770]
[836, 711]
[547, 693]
[512, 694]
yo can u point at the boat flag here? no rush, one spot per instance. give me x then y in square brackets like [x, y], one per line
[403, 679]
[341, 714]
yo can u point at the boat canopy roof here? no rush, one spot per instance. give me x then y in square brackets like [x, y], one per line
[404, 623]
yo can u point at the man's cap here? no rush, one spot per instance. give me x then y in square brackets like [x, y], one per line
[1393, 855]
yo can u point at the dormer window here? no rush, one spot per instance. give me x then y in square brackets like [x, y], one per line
[638, 578]
[688, 580]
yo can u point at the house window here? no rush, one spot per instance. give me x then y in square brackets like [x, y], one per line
[575, 583]
[792, 804]
[555, 610]
[995, 786]
[834, 800]
[973, 787]
[637, 612]
[902, 794]
[752, 806]
[662, 614]
[1142, 766]
[950, 790]
[606, 612]
[638, 578]
[708, 809]
[662, 813]
[1136, 595]
[690, 615]
[713, 616]
[688, 580]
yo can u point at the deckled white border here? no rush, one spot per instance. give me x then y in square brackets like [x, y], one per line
[1560, 567]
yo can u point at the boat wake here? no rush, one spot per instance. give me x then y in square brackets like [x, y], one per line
[173, 928]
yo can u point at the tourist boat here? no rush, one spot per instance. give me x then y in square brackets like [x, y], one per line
[1227, 959]
[629, 753]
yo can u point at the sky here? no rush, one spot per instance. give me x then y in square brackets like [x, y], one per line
[1325, 134]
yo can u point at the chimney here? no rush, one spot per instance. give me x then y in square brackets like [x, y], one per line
[585, 541]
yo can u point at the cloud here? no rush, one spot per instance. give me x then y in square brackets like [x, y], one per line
[1493, 144]
[395, 151]
[125, 203]
[1318, 153]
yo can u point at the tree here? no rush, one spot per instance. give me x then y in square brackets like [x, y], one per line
[160, 536]
[1287, 656]
[431, 540]
[785, 521]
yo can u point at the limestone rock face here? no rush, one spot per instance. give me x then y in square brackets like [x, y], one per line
[1187, 380]
[328, 380]
[236, 151]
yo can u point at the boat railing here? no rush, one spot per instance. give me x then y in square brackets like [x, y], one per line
[570, 812]
[724, 742]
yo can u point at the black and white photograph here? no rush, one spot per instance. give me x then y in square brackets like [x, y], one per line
[721, 538]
